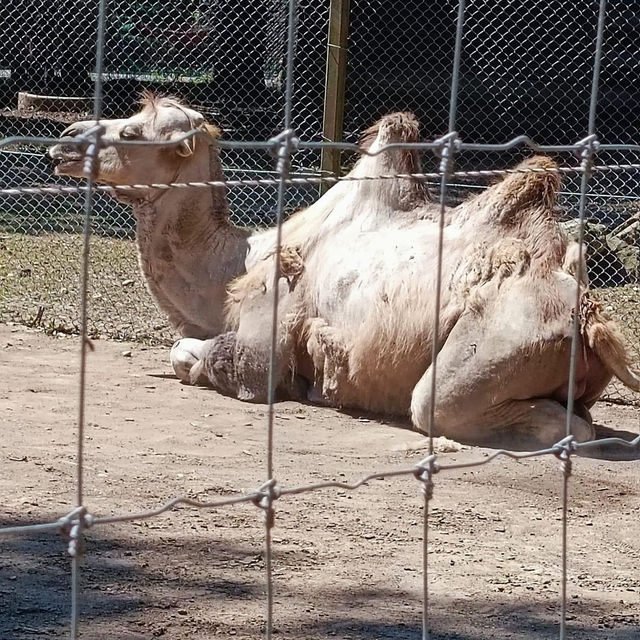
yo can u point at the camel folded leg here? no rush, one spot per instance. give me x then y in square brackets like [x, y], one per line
[330, 357]
[217, 365]
[483, 382]
[524, 425]
[254, 342]
[207, 362]
[228, 366]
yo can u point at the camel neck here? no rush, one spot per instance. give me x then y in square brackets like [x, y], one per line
[188, 249]
[191, 216]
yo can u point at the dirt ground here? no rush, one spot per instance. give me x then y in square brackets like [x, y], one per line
[347, 564]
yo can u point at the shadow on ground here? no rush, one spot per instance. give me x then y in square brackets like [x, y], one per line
[606, 451]
[119, 578]
[148, 586]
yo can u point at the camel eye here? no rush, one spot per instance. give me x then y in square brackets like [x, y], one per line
[130, 133]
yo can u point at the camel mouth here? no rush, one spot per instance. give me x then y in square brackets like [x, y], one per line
[64, 166]
[63, 162]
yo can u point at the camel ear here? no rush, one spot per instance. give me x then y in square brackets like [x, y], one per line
[187, 147]
[213, 130]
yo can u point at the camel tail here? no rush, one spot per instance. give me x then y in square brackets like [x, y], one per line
[607, 342]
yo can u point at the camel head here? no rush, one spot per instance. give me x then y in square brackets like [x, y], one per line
[160, 120]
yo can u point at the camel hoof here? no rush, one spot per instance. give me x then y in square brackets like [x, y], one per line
[295, 389]
[315, 396]
[185, 353]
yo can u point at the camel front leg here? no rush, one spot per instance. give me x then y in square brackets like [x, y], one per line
[254, 342]
[185, 354]
[329, 355]
[217, 365]
[207, 362]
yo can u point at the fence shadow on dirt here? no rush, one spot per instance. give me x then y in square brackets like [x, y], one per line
[145, 588]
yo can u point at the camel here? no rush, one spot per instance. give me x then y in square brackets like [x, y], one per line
[356, 300]
[356, 310]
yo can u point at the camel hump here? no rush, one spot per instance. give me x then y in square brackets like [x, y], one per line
[536, 179]
[399, 126]
[532, 183]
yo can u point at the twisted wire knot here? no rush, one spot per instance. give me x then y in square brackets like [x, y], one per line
[71, 527]
[284, 144]
[424, 472]
[588, 146]
[267, 494]
[448, 145]
[563, 451]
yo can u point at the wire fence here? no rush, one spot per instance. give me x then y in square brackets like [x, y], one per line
[587, 170]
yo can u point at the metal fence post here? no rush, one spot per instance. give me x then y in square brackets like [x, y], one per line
[336, 76]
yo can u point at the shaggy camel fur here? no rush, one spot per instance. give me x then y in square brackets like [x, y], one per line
[356, 308]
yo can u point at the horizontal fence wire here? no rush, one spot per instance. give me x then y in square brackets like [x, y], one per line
[297, 181]
[566, 447]
[273, 491]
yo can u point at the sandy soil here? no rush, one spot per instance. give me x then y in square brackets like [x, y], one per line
[347, 564]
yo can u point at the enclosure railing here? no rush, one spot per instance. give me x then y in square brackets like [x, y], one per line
[266, 496]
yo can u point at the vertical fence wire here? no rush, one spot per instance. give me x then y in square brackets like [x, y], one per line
[284, 149]
[566, 472]
[75, 596]
[446, 167]
[587, 165]
[89, 171]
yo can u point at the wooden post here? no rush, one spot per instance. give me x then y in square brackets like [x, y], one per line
[336, 76]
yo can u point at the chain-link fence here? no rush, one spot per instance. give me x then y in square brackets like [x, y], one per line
[525, 69]
[226, 58]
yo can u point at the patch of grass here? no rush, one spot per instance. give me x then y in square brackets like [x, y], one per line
[40, 282]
